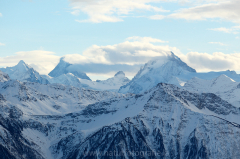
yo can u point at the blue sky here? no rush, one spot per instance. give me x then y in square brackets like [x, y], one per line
[203, 33]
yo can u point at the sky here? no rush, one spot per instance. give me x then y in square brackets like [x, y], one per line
[106, 36]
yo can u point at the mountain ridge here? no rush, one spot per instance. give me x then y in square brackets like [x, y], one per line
[24, 72]
[142, 123]
[64, 67]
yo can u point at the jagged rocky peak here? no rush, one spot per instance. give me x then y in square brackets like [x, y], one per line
[180, 63]
[21, 62]
[165, 66]
[165, 69]
[60, 68]
[119, 74]
[22, 66]
[23, 72]
[170, 61]
[65, 67]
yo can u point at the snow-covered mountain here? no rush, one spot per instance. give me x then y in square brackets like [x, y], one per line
[164, 122]
[223, 86]
[68, 79]
[221, 83]
[69, 74]
[39, 99]
[119, 79]
[200, 119]
[170, 70]
[24, 72]
[64, 67]
[111, 84]
[164, 69]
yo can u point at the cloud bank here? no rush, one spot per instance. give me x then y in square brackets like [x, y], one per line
[218, 61]
[232, 30]
[114, 10]
[42, 61]
[127, 56]
[227, 10]
[110, 10]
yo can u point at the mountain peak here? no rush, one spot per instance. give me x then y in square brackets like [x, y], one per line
[223, 79]
[62, 59]
[21, 62]
[64, 67]
[119, 73]
[23, 72]
[60, 68]
[164, 69]
[22, 66]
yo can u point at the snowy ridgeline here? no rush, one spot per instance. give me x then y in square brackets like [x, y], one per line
[44, 121]
[168, 69]
[66, 74]
[166, 111]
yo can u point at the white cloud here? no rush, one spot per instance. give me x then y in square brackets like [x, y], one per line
[226, 10]
[42, 61]
[218, 43]
[127, 56]
[110, 10]
[2, 44]
[0, 14]
[232, 30]
[115, 10]
[217, 61]
[134, 51]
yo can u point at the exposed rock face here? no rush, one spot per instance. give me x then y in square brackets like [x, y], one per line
[13, 145]
[4, 77]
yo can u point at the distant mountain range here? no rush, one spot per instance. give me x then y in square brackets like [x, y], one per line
[167, 111]
[169, 69]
